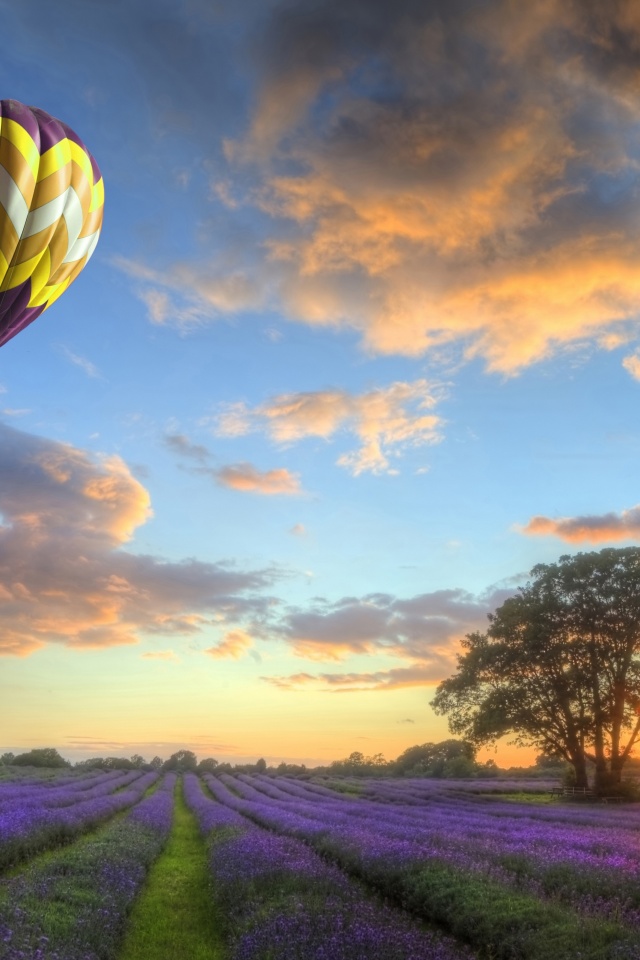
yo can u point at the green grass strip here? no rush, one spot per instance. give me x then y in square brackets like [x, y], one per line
[506, 924]
[498, 920]
[174, 915]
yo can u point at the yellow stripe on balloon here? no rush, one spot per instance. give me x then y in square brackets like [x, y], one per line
[4, 266]
[40, 276]
[97, 196]
[18, 136]
[54, 158]
[50, 294]
[19, 273]
[81, 158]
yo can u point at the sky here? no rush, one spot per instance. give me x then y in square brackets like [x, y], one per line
[358, 347]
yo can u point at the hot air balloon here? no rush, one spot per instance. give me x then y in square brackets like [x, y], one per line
[51, 203]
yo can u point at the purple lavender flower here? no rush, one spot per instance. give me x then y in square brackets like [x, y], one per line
[279, 899]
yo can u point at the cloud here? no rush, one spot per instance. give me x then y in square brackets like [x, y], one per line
[163, 310]
[481, 202]
[234, 645]
[85, 365]
[160, 655]
[65, 578]
[183, 447]
[424, 631]
[421, 173]
[93, 746]
[292, 682]
[184, 296]
[425, 628]
[632, 365]
[248, 479]
[386, 421]
[590, 528]
[236, 476]
[397, 678]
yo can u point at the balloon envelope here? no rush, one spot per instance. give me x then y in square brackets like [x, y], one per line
[51, 203]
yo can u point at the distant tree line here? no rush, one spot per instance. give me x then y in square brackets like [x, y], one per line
[42, 757]
[447, 759]
[182, 761]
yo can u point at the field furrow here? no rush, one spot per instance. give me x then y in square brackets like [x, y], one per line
[173, 916]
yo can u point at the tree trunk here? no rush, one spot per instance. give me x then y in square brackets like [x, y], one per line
[603, 776]
[580, 767]
[617, 764]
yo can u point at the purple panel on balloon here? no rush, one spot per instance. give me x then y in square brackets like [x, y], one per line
[51, 130]
[14, 313]
[14, 110]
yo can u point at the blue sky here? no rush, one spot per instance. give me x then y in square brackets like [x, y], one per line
[357, 348]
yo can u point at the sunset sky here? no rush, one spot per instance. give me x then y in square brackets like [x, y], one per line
[359, 346]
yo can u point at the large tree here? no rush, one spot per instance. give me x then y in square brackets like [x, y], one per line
[559, 666]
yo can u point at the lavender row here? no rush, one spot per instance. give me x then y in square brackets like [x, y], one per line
[39, 791]
[74, 906]
[451, 805]
[594, 832]
[279, 899]
[50, 799]
[424, 787]
[433, 881]
[449, 810]
[579, 866]
[26, 830]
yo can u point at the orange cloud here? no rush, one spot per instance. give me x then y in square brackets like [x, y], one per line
[234, 645]
[398, 678]
[386, 421]
[589, 529]
[238, 476]
[488, 203]
[160, 655]
[425, 628]
[64, 578]
[632, 365]
[18, 644]
[248, 479]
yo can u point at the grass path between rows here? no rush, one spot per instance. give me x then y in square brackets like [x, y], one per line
[174, 916]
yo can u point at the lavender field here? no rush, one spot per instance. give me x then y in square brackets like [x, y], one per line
[387, 869]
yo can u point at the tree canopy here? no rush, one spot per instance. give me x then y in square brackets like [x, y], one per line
[182, 761]
[449, 758]
[559, 666]
[40, 757]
